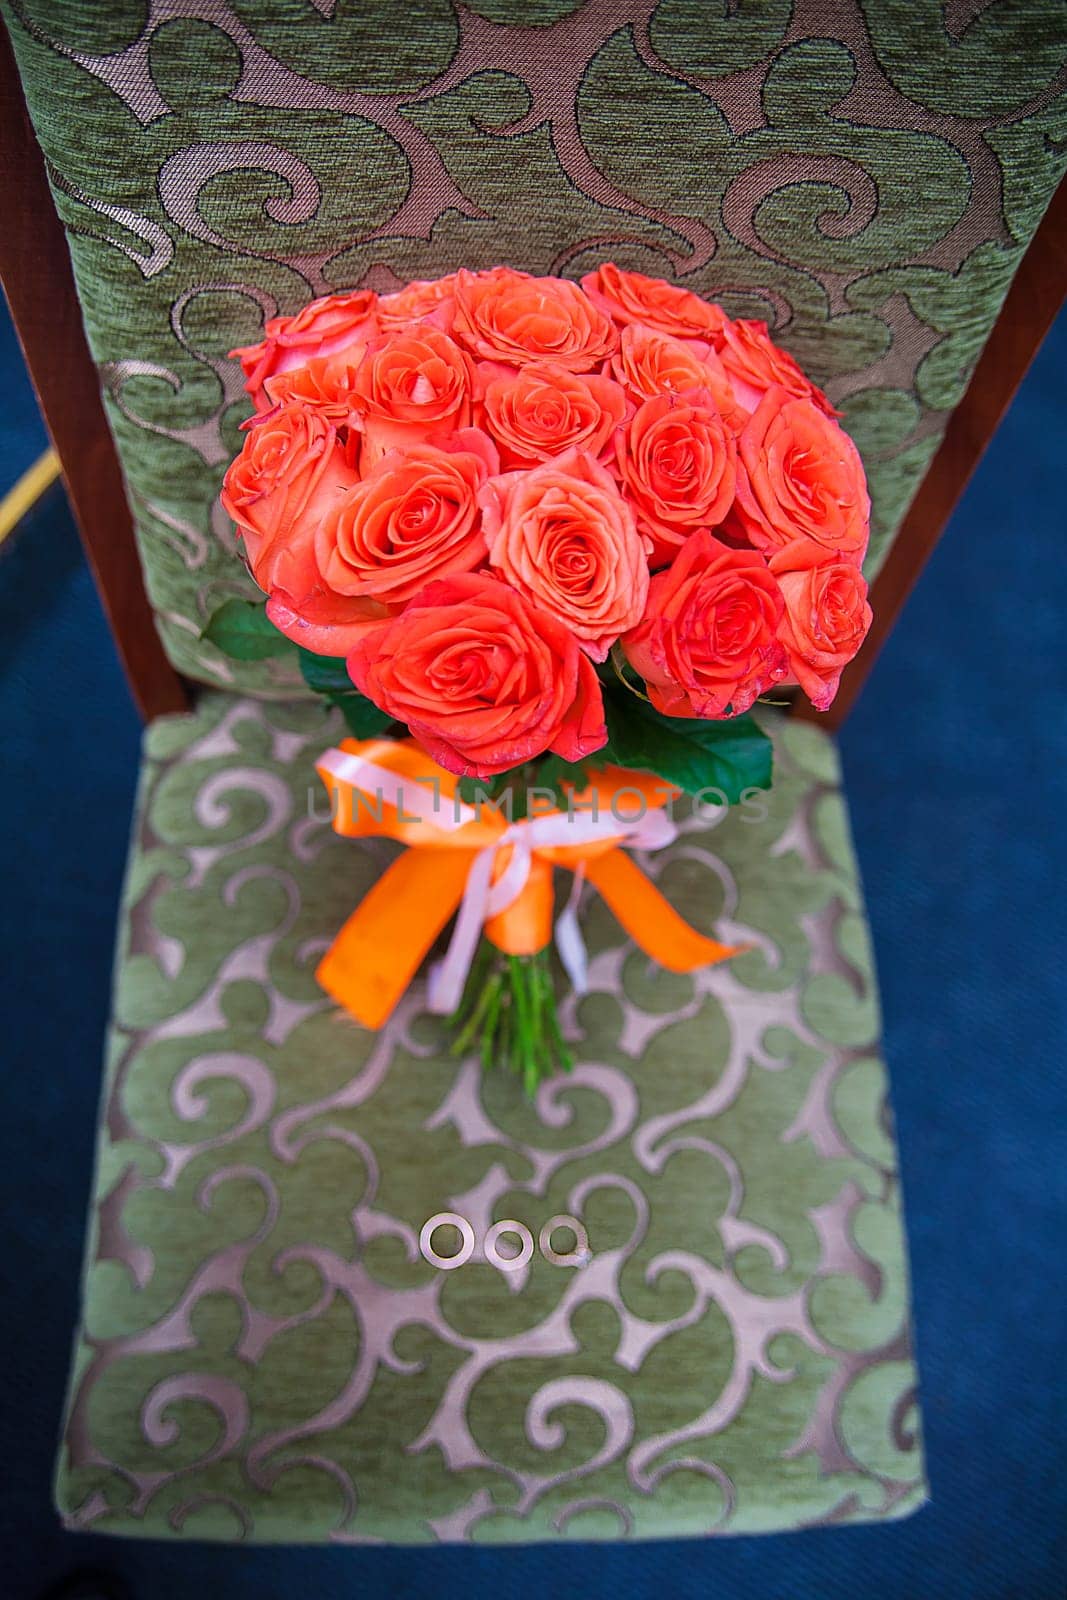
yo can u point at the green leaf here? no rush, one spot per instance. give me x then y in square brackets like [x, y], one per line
[729, 756]
[556, 774]
[325, 674]
[473, 790]
[361, 715]
[328, 676]
[242, 631]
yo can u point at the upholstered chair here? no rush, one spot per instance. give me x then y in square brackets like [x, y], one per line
[268, 1350]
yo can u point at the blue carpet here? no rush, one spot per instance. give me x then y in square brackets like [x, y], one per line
[956, 764]
[22, 435]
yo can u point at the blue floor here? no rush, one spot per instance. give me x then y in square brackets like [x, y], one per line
[958, 781]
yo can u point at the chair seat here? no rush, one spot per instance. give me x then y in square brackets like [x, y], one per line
[266, 1354]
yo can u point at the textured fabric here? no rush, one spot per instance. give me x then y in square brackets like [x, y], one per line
[864, 177]
[266, 1354]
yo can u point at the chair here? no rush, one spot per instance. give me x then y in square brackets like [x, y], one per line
[266, 1353]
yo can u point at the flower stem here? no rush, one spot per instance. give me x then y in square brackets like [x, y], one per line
[508, 1014]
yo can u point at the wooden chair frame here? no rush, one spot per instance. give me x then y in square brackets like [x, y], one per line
[36, 272]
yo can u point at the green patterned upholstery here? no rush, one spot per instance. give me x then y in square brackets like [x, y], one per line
[265, 1354]
[865, 176]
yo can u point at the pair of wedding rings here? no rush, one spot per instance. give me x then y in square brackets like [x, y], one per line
[516, 1256]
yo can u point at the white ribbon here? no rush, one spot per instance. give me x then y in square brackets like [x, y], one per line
[412, 799]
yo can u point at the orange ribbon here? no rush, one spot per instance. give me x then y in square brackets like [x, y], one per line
[392, 789]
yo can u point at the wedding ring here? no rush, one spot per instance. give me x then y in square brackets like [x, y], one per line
[575, 1257]
[518, 1230]
[447, 1219]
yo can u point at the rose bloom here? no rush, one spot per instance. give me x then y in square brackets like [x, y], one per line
[482, 679]
[707, 645]
[678, 463]
[826, 616]
[326, 383]
[663, 307]
[508, 316]
[334, 322]
[544, 409]
[563, 536]
[800, 476]
[648, 364]
[420, 299]
[412, 386]
[291, 473]
[754, 364]
[291, 468]
[413, 517]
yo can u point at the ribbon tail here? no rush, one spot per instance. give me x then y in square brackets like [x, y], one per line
[448, 976]
[650, 920]
[569, 941]
[380, 948]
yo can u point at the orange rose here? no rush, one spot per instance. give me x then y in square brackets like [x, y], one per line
[754, 364]
[661, 306]
[801, 477]
[289, 477]
[326, 383]
[291, 469]
[326, 624]
[563, 536]
[334, 322]
[544, 409]
[425, 297]
[707, 645]
[508, 316]
[482, 679]
[412, 386]
[678, 462]
[648, 364]
[413, 517]
[826, 616]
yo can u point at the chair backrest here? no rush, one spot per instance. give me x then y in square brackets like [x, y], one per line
[867, 178]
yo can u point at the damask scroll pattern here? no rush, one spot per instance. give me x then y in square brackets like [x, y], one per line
[863, 175]
[265, 1353]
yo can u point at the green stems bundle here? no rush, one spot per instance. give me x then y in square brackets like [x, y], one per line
[508, 1013]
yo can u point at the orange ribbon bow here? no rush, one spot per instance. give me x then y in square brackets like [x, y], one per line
[497, 874]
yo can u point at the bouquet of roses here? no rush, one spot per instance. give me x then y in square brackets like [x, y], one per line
[545, 531]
